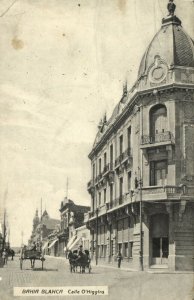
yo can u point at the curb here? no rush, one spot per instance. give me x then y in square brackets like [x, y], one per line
[126, 269]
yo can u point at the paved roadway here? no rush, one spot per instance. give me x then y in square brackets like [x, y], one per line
[123, 284]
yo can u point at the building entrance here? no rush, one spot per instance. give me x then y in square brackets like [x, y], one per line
[160, 250]
[159, 239]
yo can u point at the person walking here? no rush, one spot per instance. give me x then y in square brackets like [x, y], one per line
[119, 258]
[4, 255]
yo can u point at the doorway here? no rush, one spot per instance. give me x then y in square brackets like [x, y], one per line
[159, 239]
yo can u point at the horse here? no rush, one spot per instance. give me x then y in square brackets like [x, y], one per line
[82, 260]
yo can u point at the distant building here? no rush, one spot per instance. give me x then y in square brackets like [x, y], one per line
[72, 217]
[42, 227]
[142, 162]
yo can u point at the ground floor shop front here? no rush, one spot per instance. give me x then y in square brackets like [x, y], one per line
[167, 236]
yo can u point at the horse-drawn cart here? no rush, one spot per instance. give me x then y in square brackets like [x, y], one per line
[82, 261]
[31, 255]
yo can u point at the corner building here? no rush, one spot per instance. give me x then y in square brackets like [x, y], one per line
[142, 162]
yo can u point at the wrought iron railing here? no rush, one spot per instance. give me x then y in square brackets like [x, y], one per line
[106, 168]
[157, 138]
[123, 156]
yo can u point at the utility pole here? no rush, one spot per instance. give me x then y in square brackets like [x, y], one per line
[4, 228]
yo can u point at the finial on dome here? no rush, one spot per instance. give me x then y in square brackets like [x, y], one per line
[171, 7]
[171, 18]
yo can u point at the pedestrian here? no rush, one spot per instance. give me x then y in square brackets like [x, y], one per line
[119, 258]
[4, 255]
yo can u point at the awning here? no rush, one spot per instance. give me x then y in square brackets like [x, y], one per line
[72, 239]
[52, 244]
[75, 244]
[45, 245]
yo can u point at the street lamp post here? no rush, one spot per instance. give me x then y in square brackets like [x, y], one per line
[138, 185]
[141, 223]
[96, 236]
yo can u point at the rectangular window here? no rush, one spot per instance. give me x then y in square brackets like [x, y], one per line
[131, 249]
[93, 173]
[99, 198]
[120, 247]
[111, 157]
[111, 248]
[125, 250]
[120, 188]
[129, 181]
[121, 144]
[104, 195]
[111, 192]
[105, 250]
[158, 173]
[102, 251]
[99, 165]
[104, 159]
[129, 138]
[120, 231]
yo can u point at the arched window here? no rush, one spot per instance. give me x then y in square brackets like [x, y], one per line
[158, 121]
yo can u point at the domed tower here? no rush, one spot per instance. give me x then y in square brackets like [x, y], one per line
[165, 89]
[169, 58]
[166, 79]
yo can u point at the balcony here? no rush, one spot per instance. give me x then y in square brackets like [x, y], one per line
[90, 186]
[92, 214]
[98, 178]
[106, 169]
[166, 193]
[160, 139]
[121, 200]
[123, 157]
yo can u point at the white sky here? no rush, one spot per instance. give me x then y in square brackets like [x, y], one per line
[61, 67]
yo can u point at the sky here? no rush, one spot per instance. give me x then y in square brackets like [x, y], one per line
[62, 66]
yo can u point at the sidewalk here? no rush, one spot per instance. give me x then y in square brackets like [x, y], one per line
[151, 271]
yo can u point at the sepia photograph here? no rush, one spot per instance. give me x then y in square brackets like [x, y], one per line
[97, 149]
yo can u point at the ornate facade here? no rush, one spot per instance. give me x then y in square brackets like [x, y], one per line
[142, 162]
[72, 217]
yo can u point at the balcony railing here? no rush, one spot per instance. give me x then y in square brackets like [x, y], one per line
[98, 178]
[90, 184]
[166, 136]
[116, 202]
[123, 156]
[151, 193]
[166, 192]
[106, 169]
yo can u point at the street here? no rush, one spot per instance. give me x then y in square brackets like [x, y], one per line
[123, 284]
